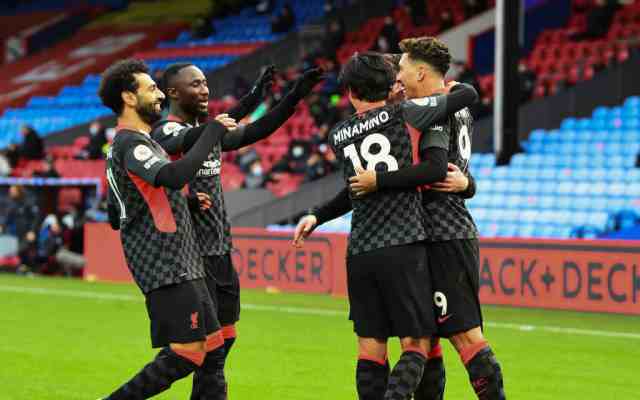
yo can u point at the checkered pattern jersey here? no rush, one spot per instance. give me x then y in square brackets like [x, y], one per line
[447, 217]
[212, 226]
[155, 258]
[389, 217]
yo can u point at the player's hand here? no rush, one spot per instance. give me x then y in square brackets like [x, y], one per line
[31, 236]
[303, 230]
[364, 182]
[456, 181]
[307, 81]
[204, 200]
[228, 122]
[450, 85]
[265, 81]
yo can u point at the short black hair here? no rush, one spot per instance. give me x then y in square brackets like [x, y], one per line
[369, 76]
[119, 78]
[429, 50]
[170, 72]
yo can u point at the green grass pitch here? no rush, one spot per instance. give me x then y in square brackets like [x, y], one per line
[72, 340]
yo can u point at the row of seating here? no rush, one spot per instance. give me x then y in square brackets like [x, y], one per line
[249, 27]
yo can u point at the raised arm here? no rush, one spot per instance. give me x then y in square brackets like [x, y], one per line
[276, 117]
[250, 101]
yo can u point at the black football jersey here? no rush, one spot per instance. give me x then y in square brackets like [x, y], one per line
[379, 140]
[155, 226]
[212, 225]
[447, 217]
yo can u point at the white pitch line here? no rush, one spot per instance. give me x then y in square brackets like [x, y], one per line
[310, 311]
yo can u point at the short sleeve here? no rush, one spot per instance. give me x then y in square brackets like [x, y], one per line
[171, 136]
[422, 112]
[142, 160]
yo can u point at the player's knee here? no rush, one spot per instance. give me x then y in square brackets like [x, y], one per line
[463, 340]
[372, 348]
[419, 345]
[194, 352]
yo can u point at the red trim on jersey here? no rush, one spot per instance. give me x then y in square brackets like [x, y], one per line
[415, 143]
[213, 341]
[158, 203]
[467, 353]
[229, 331]
[415, 149]
[174, 118]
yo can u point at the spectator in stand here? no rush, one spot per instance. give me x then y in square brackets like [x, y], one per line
[49, 170]
[256, 178]
[22, 219]
[285, 21]
[5, 167]
[31, 148]
[389, 37]
[53, 251]
[264, 7]
[527, 82]
[245, 157]
[97, 142]
[461, 72]
[295, 160]
[202, 28]
[473, 7]
[599, 19]
[417, 9]
[446, 20]
[331, 84]
[321, 162]
[320, 137]
[333, 36]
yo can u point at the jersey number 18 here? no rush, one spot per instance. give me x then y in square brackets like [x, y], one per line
[383, 156]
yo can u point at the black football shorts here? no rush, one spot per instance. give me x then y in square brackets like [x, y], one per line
[387, 292]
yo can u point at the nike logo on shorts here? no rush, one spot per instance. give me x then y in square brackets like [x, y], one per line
[442, 320]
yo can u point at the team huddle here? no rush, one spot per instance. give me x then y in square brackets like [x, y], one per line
[412, 259]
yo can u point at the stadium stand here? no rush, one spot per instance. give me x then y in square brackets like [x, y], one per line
[558, 60]
[576, 181]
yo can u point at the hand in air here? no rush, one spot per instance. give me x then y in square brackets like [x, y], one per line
[307, 81]
[265, 81]
[364, 182]
[303, 230]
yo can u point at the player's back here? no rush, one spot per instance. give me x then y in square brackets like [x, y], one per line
[447, 217]
[379, 140]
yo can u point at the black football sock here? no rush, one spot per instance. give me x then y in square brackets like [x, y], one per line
[433, 381]
[371, 378]
[158, 375]
[484, 372]
[208, 381]
[405, 376]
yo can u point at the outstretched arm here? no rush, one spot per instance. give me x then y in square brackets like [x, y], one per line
[275, 118]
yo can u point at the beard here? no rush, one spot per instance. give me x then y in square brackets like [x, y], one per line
[148, 113]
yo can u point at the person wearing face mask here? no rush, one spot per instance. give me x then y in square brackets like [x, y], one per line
[295, 161]
[97, 140]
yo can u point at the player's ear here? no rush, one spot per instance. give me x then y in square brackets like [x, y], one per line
[171, 92]
[129, 98]
[422, 73]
